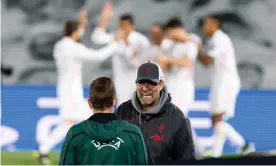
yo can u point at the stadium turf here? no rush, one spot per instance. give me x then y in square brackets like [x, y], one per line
[25, 158]
[29, 158]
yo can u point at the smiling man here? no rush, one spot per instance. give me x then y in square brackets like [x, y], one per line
[166, 130]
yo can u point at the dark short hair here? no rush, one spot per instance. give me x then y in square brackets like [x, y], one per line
[102, 93]
[215, 17]
[70, 27]
[173, 23]
[127, 17]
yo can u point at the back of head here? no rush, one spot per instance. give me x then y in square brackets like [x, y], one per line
[174, 23]
[128, 17]
[102, 93]
[70, 27]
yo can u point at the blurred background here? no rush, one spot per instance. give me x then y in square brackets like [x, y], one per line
[29, 29]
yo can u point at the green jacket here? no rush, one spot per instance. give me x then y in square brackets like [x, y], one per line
[103, 140]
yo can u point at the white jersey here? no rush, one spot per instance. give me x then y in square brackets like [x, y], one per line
[225, 80]
[181, 79]
[130, 57]
[195, 38]
[69, 57]
[126, 62]
[180, 50]
[220, 47]
[163, 49]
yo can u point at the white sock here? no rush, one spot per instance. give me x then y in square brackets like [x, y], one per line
[234, 137]
[198, 146]
[224, 130]
[56, 137]
[219, 139]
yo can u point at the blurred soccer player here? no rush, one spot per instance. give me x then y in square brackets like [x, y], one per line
[69, 56]
[125, 63]
[181, 75]
[160, 45]
[225, 85]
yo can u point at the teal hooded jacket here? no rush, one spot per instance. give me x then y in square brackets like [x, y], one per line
[104, 140]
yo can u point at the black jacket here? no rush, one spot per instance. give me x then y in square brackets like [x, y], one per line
[166, 130]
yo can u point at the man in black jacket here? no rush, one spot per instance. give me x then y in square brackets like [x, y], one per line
[166, 130]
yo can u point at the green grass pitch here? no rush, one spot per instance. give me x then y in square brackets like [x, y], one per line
[25, 158]
[29, 158]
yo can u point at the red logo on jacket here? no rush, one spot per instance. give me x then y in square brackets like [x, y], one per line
[157, 136]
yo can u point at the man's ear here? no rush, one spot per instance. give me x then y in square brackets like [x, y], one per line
[115, 102]
[90, 104]
[161, 85]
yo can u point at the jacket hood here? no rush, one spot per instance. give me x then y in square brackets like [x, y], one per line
[103, 132]
[165, 98]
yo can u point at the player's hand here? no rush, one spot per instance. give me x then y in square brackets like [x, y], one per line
[106, 15]
[83, 18]
[199, 46]
[164, 65]
[120, 35]
[162, 58]
[107, 11]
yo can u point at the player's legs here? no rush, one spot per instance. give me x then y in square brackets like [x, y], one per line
[223, 131]
[70, 114]
[57, 135]
[183, 96]
[219, 135]
[223, 100]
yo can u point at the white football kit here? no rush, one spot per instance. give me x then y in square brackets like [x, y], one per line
[69, 57]
[126, 62]
[180, 86]
[225, 80]
[163, 49]
[181, 79]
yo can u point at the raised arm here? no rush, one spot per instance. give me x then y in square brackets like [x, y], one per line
[99, 34]
[87, 54]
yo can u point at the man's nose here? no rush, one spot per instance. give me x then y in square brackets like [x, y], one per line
[146, 87]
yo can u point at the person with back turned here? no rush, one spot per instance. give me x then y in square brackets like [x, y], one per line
[103, 139]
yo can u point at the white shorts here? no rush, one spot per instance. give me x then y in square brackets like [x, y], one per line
[182, 93]
[75, 110]
[223, 97]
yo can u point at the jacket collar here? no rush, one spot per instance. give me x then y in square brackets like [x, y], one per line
[103, 117]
